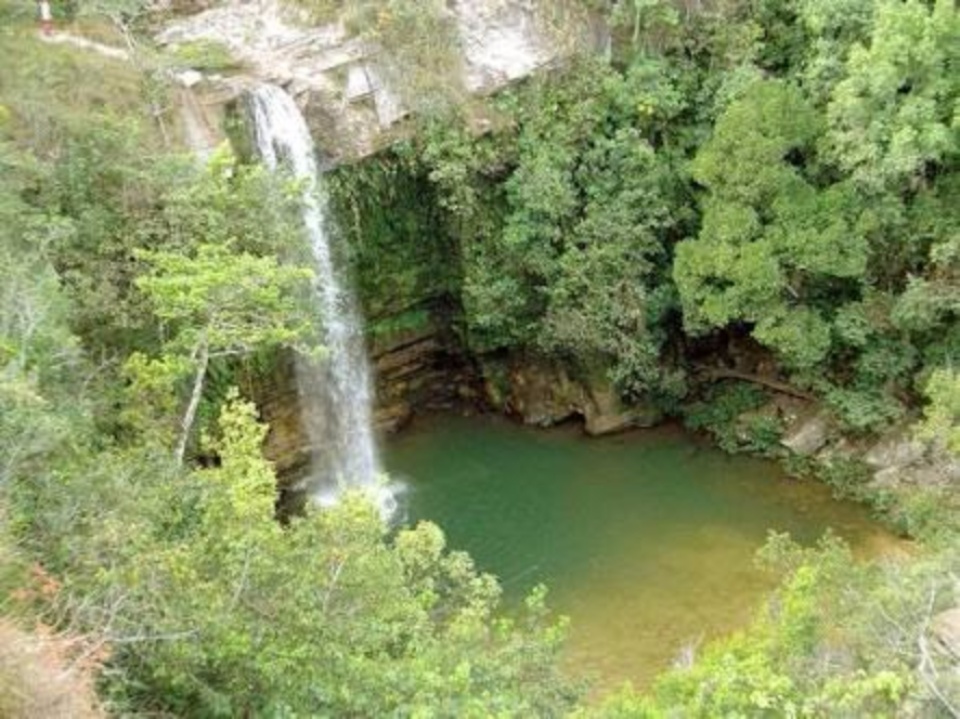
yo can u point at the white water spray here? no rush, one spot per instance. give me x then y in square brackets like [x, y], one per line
[335, 391]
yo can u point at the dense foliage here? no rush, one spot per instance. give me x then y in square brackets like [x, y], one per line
[138, 287]
[779, 178]
[772, 179]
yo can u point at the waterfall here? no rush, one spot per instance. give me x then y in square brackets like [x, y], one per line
[335, 390]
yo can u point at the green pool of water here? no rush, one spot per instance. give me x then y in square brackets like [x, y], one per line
[646, 540]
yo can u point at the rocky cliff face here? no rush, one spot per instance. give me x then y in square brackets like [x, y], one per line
[340, 80]
[426, 369]
[421, 368]
[545, 393]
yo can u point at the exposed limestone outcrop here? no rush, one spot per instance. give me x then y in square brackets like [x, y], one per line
[340, 80]
[544, 393]
[895, 450]
[899, 459]
[808, 435]
[896, 459]
[605, 413]
[199, 122]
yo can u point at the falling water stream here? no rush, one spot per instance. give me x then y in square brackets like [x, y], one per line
[335, 389]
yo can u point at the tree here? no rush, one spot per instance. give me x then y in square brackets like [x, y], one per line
[941, 423]
[37, 350]
[775, 250]
[608, 295]
[893, 119]
[929, 305]
[217, 303]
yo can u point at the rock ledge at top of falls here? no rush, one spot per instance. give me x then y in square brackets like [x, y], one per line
[339, 80]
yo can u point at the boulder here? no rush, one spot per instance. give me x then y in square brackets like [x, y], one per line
[604, 412]
[932, 471]
[888, 478]
[896, 450]
[189, 78]
[899, 460]
[544, 393]
[809, 436]
[390, 418]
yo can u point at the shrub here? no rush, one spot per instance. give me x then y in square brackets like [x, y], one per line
[205, 55]
[717, 413]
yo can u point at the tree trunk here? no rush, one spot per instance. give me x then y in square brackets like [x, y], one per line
[203, 360]
[776, 386]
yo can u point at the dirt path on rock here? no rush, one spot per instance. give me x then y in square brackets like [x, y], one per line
[64, 38]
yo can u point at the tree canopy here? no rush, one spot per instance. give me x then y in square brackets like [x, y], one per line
[769, 184]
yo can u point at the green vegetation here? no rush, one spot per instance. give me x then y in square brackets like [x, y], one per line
[400, 251]
[730, 412]
[205, 55]
[714, 185]
[771, 184]
[942, 415]
[136, 285]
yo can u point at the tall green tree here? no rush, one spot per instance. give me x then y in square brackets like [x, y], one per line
[565, 244]
[225, 282]
[218, 304]
[37, 350]
[893, 118]
[941, 423]
[775, 250]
